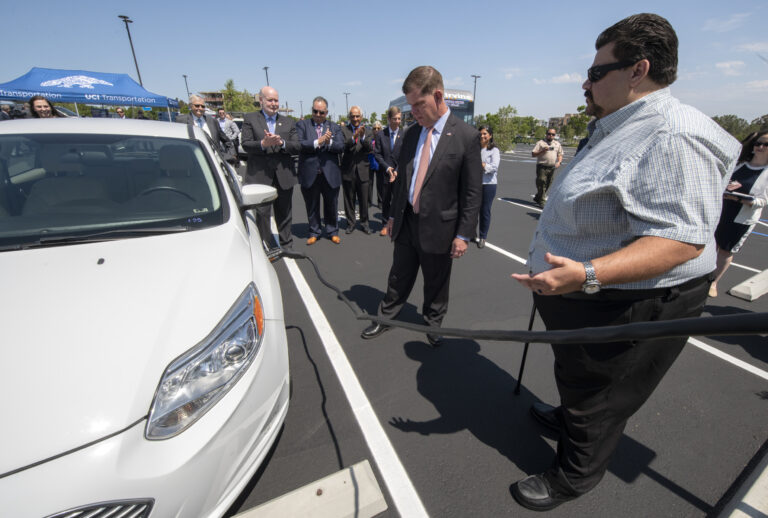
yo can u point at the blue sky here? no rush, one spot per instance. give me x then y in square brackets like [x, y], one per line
[532, 55]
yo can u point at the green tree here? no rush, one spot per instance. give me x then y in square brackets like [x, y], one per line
[236, 100]
[373, 117]
[383, 119]
[759, 124]
[734, 125]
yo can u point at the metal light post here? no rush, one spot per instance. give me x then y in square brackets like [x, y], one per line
[346, 99]
[127, 20]
[266, 71]
[301, 109]
[186, 85]
[474, 91]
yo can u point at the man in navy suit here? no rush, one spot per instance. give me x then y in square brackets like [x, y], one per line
[436, 198]
[270, 140]
[387, 148]
[321, 142]
[356, 169]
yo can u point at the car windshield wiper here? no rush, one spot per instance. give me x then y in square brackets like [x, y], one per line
[106, 235]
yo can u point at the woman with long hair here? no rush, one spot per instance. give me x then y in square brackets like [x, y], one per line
[743, 202]
[42, 108]
[490, 156]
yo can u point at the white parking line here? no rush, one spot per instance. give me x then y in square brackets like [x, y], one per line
[404, 495]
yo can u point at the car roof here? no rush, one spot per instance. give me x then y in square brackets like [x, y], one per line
[142, 128]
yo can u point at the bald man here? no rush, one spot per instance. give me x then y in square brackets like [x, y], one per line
[355, 169]
[270, 139]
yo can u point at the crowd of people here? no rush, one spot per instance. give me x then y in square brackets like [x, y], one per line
[622, 238]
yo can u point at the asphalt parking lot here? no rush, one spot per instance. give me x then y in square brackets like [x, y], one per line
[448, 416]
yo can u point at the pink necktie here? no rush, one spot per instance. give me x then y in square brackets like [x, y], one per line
[422, 172]
[319, 129]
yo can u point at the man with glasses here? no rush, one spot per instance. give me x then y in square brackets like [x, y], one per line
[627, 236]
[321, 142]
[356, 169]
[197, 117]
[270, 141]
[549, 155]
[120, 113]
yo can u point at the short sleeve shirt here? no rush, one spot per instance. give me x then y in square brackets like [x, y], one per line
[655, 167]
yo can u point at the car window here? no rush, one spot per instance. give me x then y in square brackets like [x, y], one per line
[57, 184]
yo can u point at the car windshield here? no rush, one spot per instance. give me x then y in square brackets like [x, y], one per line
[55, 187]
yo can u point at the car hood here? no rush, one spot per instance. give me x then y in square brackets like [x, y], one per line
[89, 329]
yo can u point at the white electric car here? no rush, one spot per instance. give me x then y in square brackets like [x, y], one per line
[143, 345]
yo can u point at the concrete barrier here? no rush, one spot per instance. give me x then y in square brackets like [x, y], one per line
[752, 288]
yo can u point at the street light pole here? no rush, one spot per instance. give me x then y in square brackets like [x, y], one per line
[474, 91]
[346, 99]
[266, 71]
[186, 85]
[127, 20]
[301, 109]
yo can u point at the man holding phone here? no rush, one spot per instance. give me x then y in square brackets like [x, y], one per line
[549, 155]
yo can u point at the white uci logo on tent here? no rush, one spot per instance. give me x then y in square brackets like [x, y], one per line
[81, 81]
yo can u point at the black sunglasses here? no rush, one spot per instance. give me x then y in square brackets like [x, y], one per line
[597, 72]
[319, 112]
[760, 144]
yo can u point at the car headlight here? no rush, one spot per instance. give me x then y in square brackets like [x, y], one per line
[199, 378]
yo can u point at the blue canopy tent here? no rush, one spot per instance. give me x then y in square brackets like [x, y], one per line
[82, 86]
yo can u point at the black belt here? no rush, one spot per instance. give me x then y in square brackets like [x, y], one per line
[670, 293]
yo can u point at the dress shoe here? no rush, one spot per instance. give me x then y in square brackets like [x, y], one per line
[336, 239]
[374, 330]
[383, 231]
[350, 229]
[535, 493]
[434, 340]
[312, 240]
[546, 415]
[480, 243]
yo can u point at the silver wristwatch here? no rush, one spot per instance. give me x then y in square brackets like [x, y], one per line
[591, 285]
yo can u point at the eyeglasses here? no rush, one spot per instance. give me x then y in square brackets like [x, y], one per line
[761, 144]
[319, 112]
[597, 72]
[199, 105]
[550, 134]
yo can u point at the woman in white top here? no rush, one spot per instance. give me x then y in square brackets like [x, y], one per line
[489, 153]
[741, 213]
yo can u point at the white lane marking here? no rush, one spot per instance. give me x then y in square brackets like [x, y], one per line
[504, 252]
[530, 207]
[404, 495]
[727, 357]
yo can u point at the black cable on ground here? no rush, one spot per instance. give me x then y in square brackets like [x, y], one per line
[728, 325]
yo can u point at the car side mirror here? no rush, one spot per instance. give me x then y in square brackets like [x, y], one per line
[255, 194]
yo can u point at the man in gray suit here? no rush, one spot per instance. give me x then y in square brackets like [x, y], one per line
[270, 140]
[197, 117]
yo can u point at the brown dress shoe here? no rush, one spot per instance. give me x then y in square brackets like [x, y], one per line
[383, 231]
[336, 239]
[312, 240]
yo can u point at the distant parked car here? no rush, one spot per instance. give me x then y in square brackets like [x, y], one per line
[143, 332]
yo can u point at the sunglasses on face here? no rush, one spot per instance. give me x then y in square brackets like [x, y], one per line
[199, 105]
[318, 112]
[597, 72]
[761, 144]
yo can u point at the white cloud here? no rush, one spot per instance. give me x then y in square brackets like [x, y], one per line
[509, 73]
[561, 79]
[729, 24]
[352, 83]
[397, 81]
[757, 85]
[456, 81]
[730, 68]
[758, 46]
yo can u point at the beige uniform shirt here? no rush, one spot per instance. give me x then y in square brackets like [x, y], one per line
[550, 157]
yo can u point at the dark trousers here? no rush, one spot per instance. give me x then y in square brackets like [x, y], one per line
[489, 193]
[386, 198]
[377, 177]
[602, 385]
[544, 175]
[330, 196]
[283, 207]
[355, 188]
[407, 258]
